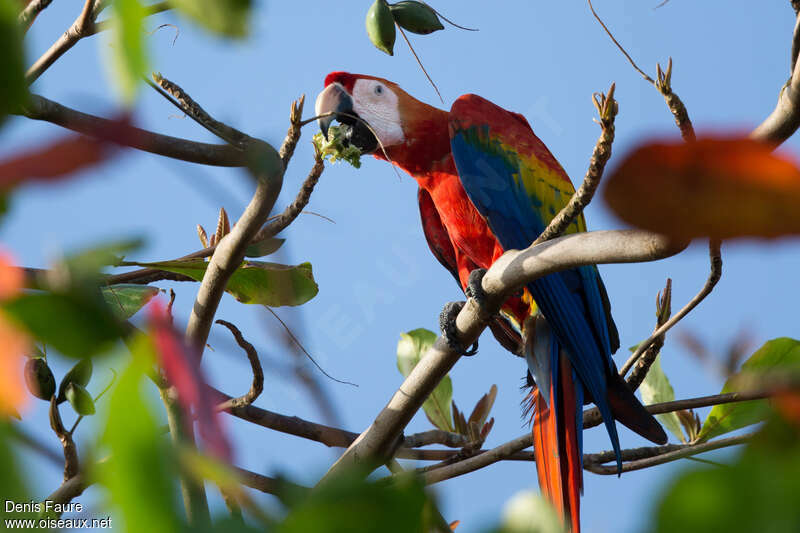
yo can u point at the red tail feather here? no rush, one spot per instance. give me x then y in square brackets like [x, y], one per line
[555, 446]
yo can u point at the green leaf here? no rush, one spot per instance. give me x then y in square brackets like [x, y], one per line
[758, 492]
[410, 350]
[79, 374]
[80, 399]
[13, 88]
[139, 471]
[126, 299]
[265, 247]
[89, 261]
[352, 504]
[781, 354]
[255, 282]
[416, 17]
[656, 388]
[380, 26]
[129, 51]
[226, 17]
[12, 480]
[76, 323]
[39, 378]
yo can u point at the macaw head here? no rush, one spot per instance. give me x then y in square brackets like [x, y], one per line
[376, 114]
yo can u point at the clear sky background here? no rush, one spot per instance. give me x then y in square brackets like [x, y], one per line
[376, 275]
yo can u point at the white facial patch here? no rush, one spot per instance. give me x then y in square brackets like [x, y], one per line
[377, 104]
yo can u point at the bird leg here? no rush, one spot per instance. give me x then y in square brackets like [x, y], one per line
[447, 323]
[474, 288]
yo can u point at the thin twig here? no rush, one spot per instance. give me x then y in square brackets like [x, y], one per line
[478, 461]
[71, 462]
[152, 9]
[174, 94]
[282, 221]
[16, 432]
[607, 108]
[82, 27]
[27, 16]
[621, 49]
[435, 436]
[713, 278]
[592, 418]
[266, 484]
[286, 151]
[258, 374]
[664, 307]
[682, 452]
[435, 88]
[450, 21]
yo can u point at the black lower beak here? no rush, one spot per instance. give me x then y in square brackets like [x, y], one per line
[332, 102]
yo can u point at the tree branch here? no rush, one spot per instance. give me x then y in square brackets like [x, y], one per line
[69, 490]
[82, 27]
[266, 484]
[656, 455]
[40, 108]
[785, 118]
[229, 253]
[607, 108]
[258, 374]
[511, 271]
[478, 461]
[663, 306]
[713, 278]
[31, 11]
[71, 463]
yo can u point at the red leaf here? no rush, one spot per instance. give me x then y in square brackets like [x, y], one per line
[714, 187]
[64, 156]
[13, 344]
[182, 370]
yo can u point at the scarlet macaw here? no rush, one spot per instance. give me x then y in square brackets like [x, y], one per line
[487, 184]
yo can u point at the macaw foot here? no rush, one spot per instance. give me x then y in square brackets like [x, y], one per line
[447, 323]
[474, 288]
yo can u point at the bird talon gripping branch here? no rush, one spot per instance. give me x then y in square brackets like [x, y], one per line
[447, 323]
[474, 288]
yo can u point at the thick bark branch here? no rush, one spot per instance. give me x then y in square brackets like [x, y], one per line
[510, 272]
[785, 118]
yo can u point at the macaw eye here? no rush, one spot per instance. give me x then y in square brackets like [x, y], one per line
[378, 90]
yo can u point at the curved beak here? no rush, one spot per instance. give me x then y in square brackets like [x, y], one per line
[334, 100]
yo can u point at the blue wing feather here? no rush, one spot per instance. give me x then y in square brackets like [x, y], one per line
[493, 174]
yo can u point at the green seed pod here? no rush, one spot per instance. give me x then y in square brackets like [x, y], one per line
[80, 374]
[380, 27]
[39, 378]
[80, 399]
[416, 17]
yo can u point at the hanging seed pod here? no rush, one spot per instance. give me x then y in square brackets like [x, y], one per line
[80, 399]
[380, 26]
[80, 374]
[39, 379]
[416, 17]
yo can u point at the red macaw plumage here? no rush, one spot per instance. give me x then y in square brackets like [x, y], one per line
[488, 184]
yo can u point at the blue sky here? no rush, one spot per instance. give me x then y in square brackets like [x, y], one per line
[376, 275]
